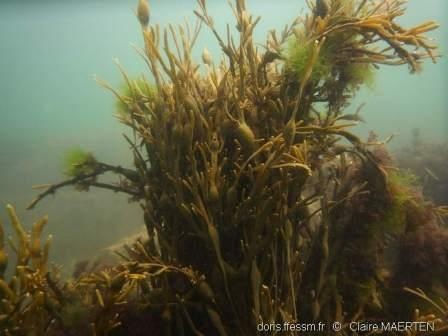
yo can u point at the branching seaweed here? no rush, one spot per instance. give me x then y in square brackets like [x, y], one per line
[248, 195]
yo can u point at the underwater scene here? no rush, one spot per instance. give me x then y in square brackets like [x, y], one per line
[223, 168]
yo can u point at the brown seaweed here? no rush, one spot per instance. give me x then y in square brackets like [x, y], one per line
[255, 212]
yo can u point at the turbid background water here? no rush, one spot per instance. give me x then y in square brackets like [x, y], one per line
[49, 102]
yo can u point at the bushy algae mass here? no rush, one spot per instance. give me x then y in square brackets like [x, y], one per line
[260, 205]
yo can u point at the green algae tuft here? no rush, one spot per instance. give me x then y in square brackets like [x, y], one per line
[77, 162]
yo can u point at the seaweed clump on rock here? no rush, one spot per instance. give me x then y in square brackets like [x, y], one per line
[261, 207]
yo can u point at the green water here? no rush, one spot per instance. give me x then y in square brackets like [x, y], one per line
[49, 102]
